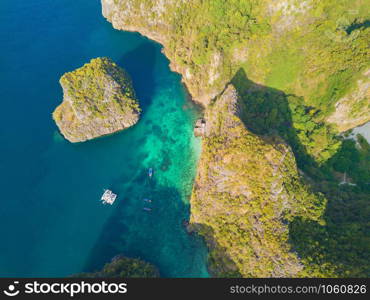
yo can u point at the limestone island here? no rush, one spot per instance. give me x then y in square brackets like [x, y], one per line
[98, 100]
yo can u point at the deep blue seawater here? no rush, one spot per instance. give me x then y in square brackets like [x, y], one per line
[51, 220]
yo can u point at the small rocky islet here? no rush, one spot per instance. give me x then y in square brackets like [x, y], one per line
[98, 100]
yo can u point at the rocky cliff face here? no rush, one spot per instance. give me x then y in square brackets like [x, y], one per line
[98, 100]
[246, 188]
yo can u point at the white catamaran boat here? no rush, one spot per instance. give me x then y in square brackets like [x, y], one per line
[108, 197]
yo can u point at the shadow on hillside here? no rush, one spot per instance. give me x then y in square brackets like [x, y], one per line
[343, 241]
[267, 113]
[362, 25]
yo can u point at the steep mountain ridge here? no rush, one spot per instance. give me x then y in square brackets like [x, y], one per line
[247, 187]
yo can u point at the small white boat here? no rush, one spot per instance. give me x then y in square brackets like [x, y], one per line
[108, 197]
[150, 172]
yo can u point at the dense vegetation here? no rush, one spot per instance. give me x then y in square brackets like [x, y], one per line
[85, 85]
[291, 62]
[124, 267]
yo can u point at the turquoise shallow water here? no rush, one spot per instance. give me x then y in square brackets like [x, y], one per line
[52, 223]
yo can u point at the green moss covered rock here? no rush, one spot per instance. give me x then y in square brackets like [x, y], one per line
[98, 100]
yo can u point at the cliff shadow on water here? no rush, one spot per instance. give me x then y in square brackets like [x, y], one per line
[143, 79]
[221, 266]
[269, 112]
[137, 233]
